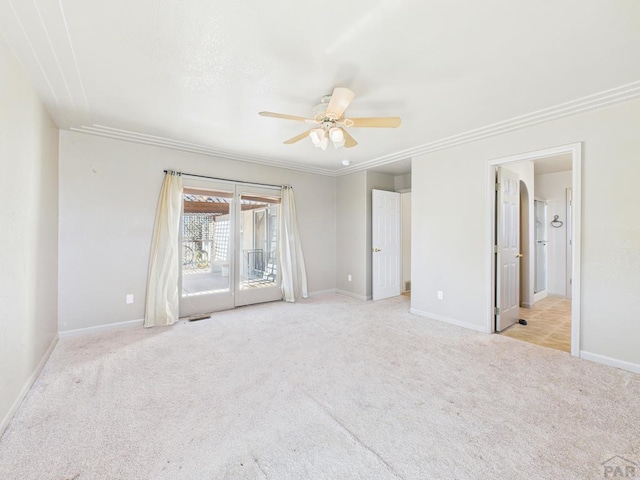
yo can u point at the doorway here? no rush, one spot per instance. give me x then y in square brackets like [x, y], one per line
[557, 307]
[229, 236]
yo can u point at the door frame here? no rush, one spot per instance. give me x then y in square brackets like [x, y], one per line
[575, 149]
[235, 297]
[243, 297]
[225, 300]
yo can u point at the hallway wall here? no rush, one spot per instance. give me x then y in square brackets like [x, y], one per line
[552, 187]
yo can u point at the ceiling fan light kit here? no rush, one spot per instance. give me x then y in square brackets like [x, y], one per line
[330, 121]
[337, 137]
[319, 138]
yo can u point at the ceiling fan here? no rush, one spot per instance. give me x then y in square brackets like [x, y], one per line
[330, 121]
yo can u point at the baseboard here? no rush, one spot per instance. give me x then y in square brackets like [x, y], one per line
[612, 362]
[351, 294]
[100, 328]
[526, 305]
[539, 296]
[322, 292]
[27, 386]
[452, 321]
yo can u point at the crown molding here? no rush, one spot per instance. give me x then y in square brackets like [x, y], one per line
[624, 93]
[136, 137]
[596, 101]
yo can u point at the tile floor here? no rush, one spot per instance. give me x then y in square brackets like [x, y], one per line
[549, 324]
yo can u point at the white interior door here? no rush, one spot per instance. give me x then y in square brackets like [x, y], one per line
[508, 248]
[385, 244]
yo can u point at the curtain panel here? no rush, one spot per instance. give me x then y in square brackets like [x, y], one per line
[163, 296]
[294, 272]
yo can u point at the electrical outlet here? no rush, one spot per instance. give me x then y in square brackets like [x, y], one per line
[348, 278]
[129, 298]
[440, 295]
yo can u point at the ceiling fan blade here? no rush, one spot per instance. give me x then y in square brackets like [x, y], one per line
[349, 141]
[286, 117]
[340, 100]
[297, 138]
[376, 122]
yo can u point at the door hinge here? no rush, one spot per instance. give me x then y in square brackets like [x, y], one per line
[496, 311]
[497, 186]
[496, 248]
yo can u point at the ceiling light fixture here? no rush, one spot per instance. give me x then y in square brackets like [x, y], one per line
[320, 136]
[317, 135]
[324, 142]
[337, 137]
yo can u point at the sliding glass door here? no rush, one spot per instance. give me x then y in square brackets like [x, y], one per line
[207, 236]
[229, 246]
[258, 272]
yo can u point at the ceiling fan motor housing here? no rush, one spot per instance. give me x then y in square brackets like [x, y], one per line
[320, 113]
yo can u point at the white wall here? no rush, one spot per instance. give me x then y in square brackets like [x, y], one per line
[29, 219]
[351, 234]
[108, 194]
[402, 183]
[450, 225]
[552, 188]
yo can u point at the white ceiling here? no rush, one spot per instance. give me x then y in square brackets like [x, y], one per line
[556, 164]
[192, 74]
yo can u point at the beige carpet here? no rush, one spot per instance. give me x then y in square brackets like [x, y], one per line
[330, 388]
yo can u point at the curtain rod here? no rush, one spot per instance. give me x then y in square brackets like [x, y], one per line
[226, 179]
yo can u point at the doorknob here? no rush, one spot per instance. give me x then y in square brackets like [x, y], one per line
[375, 250]
[519, 255]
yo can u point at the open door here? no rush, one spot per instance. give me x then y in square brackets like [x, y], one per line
[385, 244]
[507, 249]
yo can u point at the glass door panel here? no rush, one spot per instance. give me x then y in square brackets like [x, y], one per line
[258, 269]
[207, 238]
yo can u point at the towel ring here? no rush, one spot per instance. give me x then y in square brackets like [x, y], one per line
[555, 223]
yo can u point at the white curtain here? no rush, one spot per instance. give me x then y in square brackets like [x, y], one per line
[163, 296]
[294, 273]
